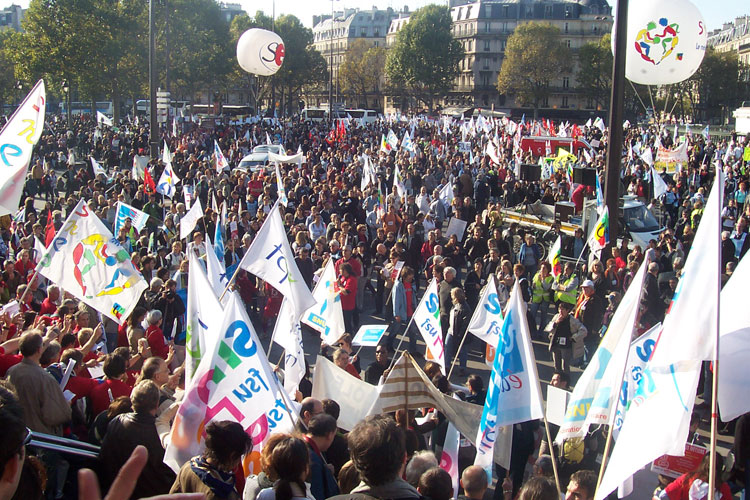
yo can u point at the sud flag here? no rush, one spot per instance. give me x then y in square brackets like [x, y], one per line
[554, 256]
[427, 319]
[233, 382]
[89, 263]
[600, 235]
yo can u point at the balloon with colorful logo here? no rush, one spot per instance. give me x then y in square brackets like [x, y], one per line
[260, 52]
[666, 41]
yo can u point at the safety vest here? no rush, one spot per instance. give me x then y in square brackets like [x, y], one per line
[569, 297]
[538, 293]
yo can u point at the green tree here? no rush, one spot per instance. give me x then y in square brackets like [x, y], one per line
[715, 87]
[534, 56]
[8, 91]
[362, 72]
[595, 71]
[303, 65]
[425, 56]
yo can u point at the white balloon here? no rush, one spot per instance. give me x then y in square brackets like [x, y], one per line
[260, 52]
[666, 41]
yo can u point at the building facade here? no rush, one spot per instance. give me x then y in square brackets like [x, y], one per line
[332, 36]
[11, 17]
[483, 28]
[734, 37]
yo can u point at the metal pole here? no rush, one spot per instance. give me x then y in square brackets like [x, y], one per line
[67, 97]
[330, 70]
[154, 126]
[715, 380]
[614, 147]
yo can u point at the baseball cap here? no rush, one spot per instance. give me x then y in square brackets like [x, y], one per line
[587, 284]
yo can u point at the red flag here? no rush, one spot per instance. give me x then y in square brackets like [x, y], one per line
[331, 138]
[149, 186]
[341, 132]
[49, 231]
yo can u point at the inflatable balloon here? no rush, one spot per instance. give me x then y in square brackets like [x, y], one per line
[666, 41]
[260, 52]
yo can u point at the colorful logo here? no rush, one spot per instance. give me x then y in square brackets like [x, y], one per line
[655, 35]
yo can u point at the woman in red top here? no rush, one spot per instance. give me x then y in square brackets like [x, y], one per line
[155, 336]
[347, 288]
[694, 485]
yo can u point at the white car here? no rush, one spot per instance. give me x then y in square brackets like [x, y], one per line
[259, 157]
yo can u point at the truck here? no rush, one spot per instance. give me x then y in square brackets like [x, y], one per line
[637, 222]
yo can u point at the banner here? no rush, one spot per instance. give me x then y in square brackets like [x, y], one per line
[513, 394]
[326, 316]
[137, 217]
[17, 140]
[88, 262]
[233, 382]
[271, 259]
[102, 118]
[660, 187]
[456, 226]
[295, 158]
[191, 218]
[427, 319]
[671, 160]
[446, 195]
[139, 167]
[204, 313]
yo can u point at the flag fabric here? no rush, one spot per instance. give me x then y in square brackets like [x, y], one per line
[427, 319]
[660, 187]
[647, 157]
[149, 186]
[513, 394]
[219, 238]
[203, 316]
[18, 137]
[190, 219]
[487, 319]
[449, 456]
[326, 316]
[167, 181]
[102, 275]
[280, 187]
[554, 256]
[446, 195]
[398, 182]
[706, 133]
[139, 167]
[692, 313]
[268, 139]
[271, 259]
[406, 143]
[600, 235]
[102, 118]
[215, 270]
[596, 390]
[98, 169]
[288, 334]
[166, 155]
[221, 162]
[384, 146]
[137, 217]
[392, 139]
[368, 173]
[734, 344]
[49, 230]
[233, 382]
[39, 250]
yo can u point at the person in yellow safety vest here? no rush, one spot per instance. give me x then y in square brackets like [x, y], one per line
[541, 295]
[566, 285]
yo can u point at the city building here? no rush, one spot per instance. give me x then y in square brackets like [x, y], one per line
[734, 37]
[483, 28]
[230, 10]
[11, 17]
[332, 36]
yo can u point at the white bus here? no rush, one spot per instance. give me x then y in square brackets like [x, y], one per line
[314, 115]
[143, 106]
[80, 108]
[366, 115]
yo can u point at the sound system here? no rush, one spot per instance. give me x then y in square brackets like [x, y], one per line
[530, 172]
[564, 210]
[585, 176]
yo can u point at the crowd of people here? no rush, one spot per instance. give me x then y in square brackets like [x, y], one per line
[128, 379]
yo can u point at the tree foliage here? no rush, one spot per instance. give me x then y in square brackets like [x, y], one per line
[362, 72]
[716, 87]
[425, 56]
[595, 71]
[534, 56]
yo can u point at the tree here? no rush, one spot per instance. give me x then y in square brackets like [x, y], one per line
[595, 71]
[425, 56]
[534, 56]
[362, 71]
[716, 86]
[8, 90]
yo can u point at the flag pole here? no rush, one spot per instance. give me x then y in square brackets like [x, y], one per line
[458, 351]
[552, 452]
[715, 380]
[398, 347]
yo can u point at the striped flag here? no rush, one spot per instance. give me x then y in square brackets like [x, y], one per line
[600, 235]
[554, 256]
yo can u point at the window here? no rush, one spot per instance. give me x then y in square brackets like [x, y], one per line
[565, 30]
[468, 12]
[377, 43]
[488, 10]
[487, 27]
[567, 43]
[502, 45]
[565, 101]
[363, 31]
[545, 102]
[486, 45]
[486, 63]
[505, 11]
[566, 82]
[529, 11]
[486, 80]
[505, 27]
[547, 11]
[376, 31]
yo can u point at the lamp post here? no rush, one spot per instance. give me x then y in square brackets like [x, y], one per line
[66, 89]
[330, 68]
[153, 136]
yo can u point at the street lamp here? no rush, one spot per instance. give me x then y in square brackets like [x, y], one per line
[66, 89]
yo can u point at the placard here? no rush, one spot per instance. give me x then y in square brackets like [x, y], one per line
[557, 403]
[457, 227]
[369, 335]
[672, 466]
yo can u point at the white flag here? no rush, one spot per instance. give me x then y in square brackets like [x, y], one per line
[398, 182]
[102, 118]
[271, 259]
[203, 316]
[734, 344]
[139, 167]
[166, 155]
[233, 382]
[17, 140]
[326, 316]
[392, 139]
[221, 162]
[167, 181]
[191, 218]
[449, 456]
[487, 319]
[137, 217]
[88, 262]
[446, 195]
[288, 334]
[427, 319]
[280, 187]
[595, 392]
[647, 157]
[690, 326]
[660, 187]
[98, 169]
[217, 273]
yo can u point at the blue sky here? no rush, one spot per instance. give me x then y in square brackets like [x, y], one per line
[714, 12]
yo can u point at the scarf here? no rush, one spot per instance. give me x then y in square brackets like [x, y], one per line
[221, 483]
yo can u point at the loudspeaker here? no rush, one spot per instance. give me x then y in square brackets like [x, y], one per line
[585, 176]
[530, 172]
